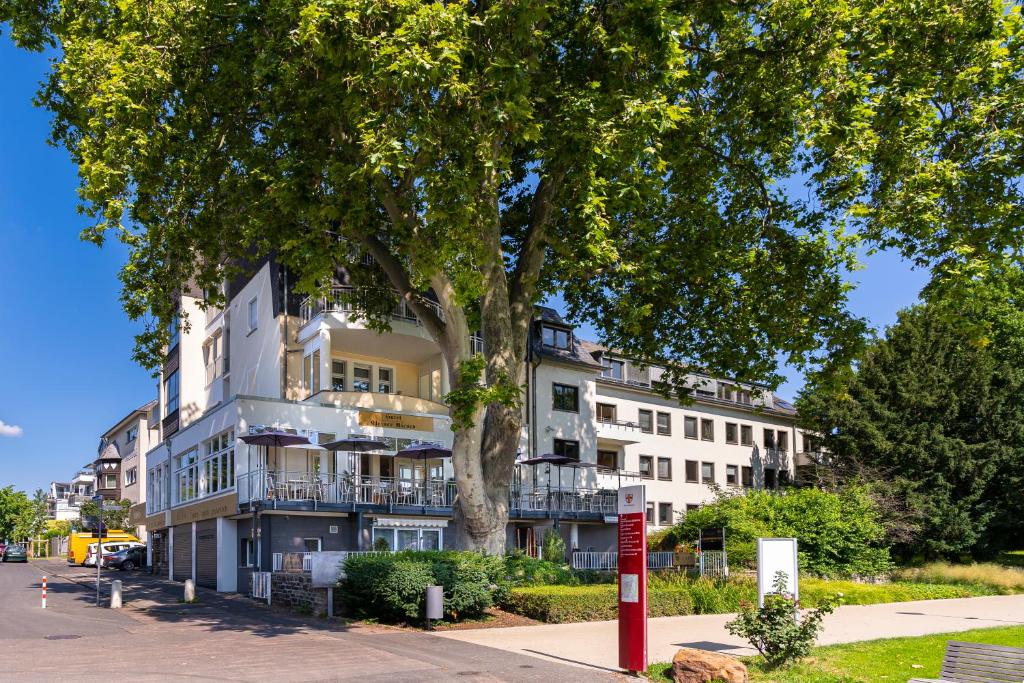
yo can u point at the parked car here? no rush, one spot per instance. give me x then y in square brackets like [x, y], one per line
[108, 549]
[3, 547]
[126, 558]
[80, 541]
[15, 553]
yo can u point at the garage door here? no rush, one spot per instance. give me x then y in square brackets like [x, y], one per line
[158, 539]
[206, 554]
[182, 552]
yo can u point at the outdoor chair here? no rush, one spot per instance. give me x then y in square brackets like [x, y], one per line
[404, 493]
[979, 663]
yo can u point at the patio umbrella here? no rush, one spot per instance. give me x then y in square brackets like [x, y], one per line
[424, 452]
[548, 459]
[357, 444]
[275, 438]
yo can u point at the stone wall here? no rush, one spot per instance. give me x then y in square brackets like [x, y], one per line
[295, 591]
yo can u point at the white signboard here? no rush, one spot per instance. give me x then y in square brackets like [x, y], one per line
[327, 568]
[631, 500]
[776, 555]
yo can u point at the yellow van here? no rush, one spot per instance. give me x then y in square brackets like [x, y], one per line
[78, 544]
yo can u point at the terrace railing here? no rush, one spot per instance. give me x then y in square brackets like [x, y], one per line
[304, 486]
[344, 299]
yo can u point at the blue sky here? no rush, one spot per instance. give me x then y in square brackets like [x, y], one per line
[66, 373]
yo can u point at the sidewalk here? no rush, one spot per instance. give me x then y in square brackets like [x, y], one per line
[595, 644]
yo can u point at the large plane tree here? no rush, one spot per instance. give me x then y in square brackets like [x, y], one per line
[693, 177]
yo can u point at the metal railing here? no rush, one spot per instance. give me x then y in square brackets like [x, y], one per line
[542, 499]
[610, 561]
[261, 582]
[617, 423]
[303, 486]
[714, 563]
[278, 561]
[343, 299]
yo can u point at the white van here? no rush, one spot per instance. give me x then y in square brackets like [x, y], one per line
[108, 548]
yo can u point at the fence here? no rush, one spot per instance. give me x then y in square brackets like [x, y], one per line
[713, 563]
[261, 586]
[610, 561]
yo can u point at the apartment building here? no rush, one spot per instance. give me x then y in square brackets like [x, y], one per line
[121, 463]
[224, 499]
[65, 499]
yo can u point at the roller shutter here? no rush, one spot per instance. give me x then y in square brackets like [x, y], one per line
[158, 539]
[182, 552]
[206, 554]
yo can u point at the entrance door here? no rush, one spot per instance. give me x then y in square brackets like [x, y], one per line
[206, 554]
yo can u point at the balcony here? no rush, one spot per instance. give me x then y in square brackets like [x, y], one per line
[302, 490]
[617, 432]
[341, 300]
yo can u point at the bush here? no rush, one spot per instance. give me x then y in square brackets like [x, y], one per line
[523, 570]
[553, 549]
[839, 534]
[563, 604]
[777, 630]
[393, 587]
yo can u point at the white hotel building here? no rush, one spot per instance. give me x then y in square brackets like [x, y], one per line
[218, 509]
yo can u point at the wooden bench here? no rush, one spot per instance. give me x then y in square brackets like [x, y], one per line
[979, 663]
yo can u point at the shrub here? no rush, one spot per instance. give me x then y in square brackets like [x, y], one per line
[393, 587]
[839, 533]
[777, 630]
[523, 570]
[563, 604]
[553, 549]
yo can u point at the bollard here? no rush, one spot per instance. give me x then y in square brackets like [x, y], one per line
[115, 594]
[190, 591]
[44, 592]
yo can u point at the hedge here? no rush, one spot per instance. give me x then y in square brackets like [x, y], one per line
[563, 604]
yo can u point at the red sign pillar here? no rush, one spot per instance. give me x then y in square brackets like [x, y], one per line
[632, 578]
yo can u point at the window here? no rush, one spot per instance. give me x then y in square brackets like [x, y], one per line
[253, 314]
[171, 393]
[606, 412]
[646, 418]
[665, 469]
[614, 369]
[748, 476]
[566, 448]
[337, 375]
[707, 429]
[385, 377]
[665, 514]
[769, 438]
[245, 552]
[311, 545]
[211, 357]
[110, 481]
[131, 476]
[218, 464]
[409, 538]
[690, 427]
[311, 372]
[650, 512]
[173, 333]
[728, 392]
[647, 467]
[608, 459]
[565, 397]
[665, 424]
[769, 478]
[746, 435]
[133, 433]
[555, 337]
[692, 507]
[731, 432]
[707, 473]
[691, 471]
[361, 377]
[782, 441]
[732, 475]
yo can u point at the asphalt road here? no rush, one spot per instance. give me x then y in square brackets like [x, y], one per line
[222, 638]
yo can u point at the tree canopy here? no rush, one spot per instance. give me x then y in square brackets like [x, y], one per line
[933, 411]
[692, 177]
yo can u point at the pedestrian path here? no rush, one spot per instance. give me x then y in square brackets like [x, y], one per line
[595, 644]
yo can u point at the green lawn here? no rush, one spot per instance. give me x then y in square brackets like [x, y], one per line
[874, 661]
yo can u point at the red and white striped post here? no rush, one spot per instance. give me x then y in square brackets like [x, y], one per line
[44, 592]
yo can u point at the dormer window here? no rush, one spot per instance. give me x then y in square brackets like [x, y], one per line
[614, 369]
[556, 337]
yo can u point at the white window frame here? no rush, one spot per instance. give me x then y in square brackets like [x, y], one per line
[254, 313]
[131, 475]
[319, 544]
[133, 433]
[391, 381]
[369, 377]
[168, 410]
[335, 375]
[245, 558]
[393, 531]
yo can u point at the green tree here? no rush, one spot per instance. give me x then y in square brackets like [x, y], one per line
[631, 156]
[933, 413]
[13, 505]
[31, 520]
[114, 518]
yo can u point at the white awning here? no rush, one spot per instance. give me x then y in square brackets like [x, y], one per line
[415, 522]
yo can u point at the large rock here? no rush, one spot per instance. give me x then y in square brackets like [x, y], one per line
[701, 666]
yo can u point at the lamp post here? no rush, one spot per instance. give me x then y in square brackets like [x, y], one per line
[98, 499]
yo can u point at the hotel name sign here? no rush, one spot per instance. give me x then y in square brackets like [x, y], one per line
[218, 507]
[395, 421]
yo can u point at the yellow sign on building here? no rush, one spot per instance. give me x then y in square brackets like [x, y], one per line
[217, 507]
[395, 421]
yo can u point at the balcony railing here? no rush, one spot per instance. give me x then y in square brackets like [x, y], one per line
[610, 561]
[610, 422]
[302, 486]
[343, 299]
[292, 561]
[272, 487]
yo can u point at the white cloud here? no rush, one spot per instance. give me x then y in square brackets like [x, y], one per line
[9, 430]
